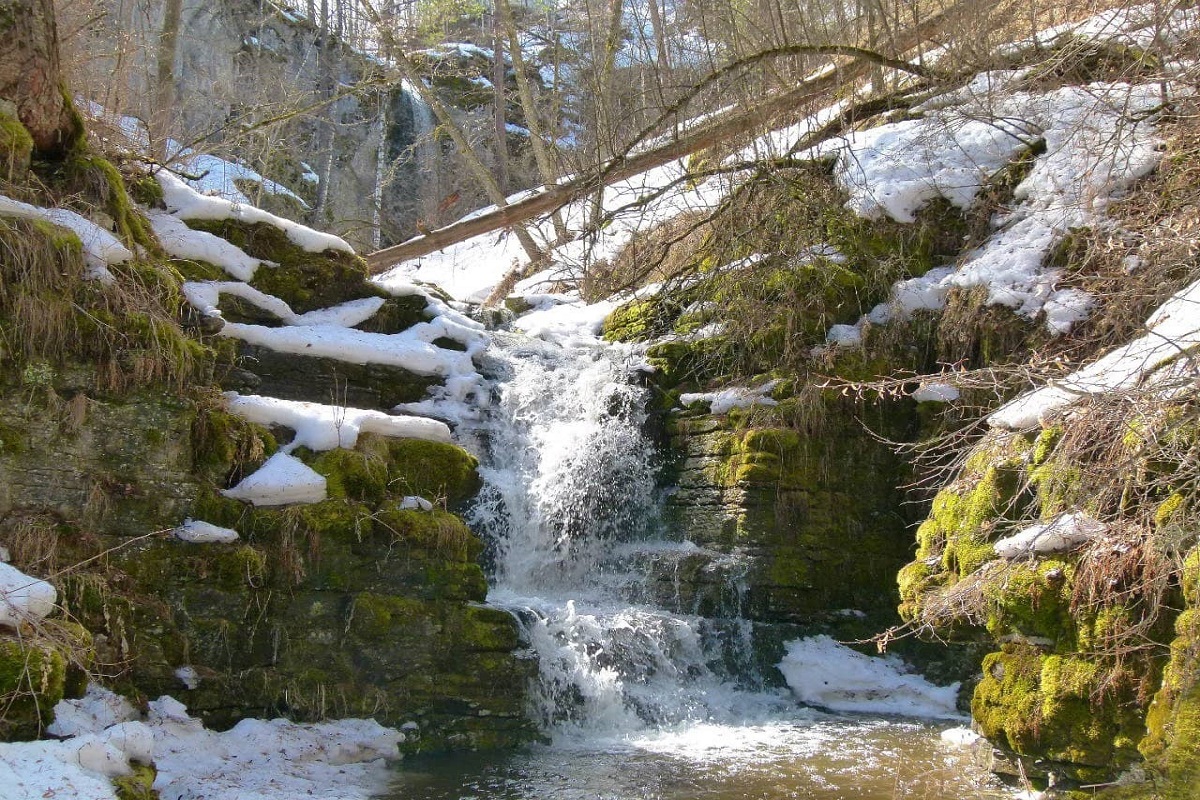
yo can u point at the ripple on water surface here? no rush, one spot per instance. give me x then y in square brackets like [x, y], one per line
[818, 758]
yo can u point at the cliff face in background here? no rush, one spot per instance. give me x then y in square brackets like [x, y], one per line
[371, 148]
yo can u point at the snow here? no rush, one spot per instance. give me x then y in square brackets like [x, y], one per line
[283, 480]
[23, 599]
[961, 737]
[935, 393]
[823, 673]
[255, 760]
[1172, 330]
[100, 248]
[1065, 532]
[565, 323]
[99, 708]
[725, 400]
[412, 502]
[1099, 139]
[180, 241]
[186, 203]
[325, 427]
[205, 297]
[188, 676]
[200, 532]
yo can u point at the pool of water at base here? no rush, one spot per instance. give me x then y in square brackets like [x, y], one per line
[813, 756]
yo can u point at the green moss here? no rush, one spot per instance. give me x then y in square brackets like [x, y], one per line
[16, 147]
[1045, 706]
[96, 178]
[361, 474]
[397, 314]
[137, 786]
[305, 281]
[375, 616]
[32, 679]
[428, 533]
[1033, 600]
[434, 470]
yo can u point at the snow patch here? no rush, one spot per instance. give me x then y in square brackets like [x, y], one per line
[186, 203]
[100, 248]
[200, 532]
[725, 400]
[823, 673]
[1063, 533]
[283, 480]
[323, 427]
[23, 599]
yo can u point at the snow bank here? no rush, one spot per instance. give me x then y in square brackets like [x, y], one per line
[283, 480]
[181, 241]
[200, 532]
[255, 760]
[725, 400]
[23, 599]
[1173, 330]
[1065, 532]
[322, 427]
[823, 673]
[186, 203]
[99, 708]
[100, 248]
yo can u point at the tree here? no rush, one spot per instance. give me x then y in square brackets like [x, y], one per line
[31, 78]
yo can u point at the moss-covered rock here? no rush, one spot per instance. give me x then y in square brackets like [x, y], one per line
[305, 281]
[16, 147]
[37, 669]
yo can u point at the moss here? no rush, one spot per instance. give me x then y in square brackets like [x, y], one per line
[360, 474]
[1043, 706]
[97, 179]
[32, 680]
[375, 616]
[16, 147]
[305, 281]
[429, 533]
[1034, 600]
[137, 786]
[1170, 509]
[434, 470]
[397, 314]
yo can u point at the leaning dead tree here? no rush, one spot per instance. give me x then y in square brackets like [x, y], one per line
[854, 63]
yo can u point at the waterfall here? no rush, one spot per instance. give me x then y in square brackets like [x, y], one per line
[569, 509]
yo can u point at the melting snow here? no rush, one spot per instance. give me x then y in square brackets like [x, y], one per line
[200, 532]
[1063, 533]
[823, 673]
[23, 599]
[283, 480]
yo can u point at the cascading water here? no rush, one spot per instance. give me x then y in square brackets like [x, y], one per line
[638, 701]
[569, 504]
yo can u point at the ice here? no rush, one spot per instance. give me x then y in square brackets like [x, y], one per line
[935, 393]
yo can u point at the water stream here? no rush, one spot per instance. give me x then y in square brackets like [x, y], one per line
[636, 700]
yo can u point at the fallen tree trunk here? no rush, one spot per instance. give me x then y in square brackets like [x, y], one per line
[722, 129]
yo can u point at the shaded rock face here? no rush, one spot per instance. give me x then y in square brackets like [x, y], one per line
[351, 606]
[796, 527]
[239, 62]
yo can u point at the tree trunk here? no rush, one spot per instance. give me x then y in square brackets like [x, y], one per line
[500, 103]
[164, 90]
[30, 76]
